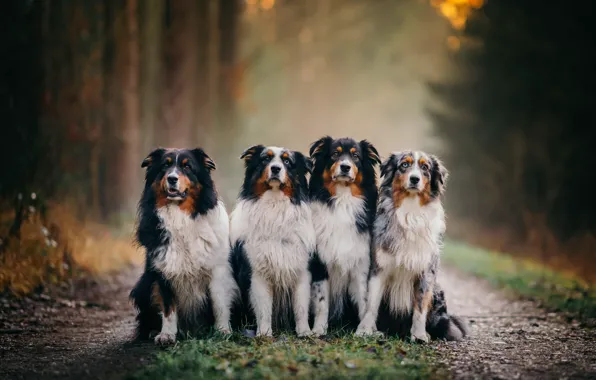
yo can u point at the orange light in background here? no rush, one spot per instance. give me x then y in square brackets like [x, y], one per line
[448, 10]
[457, 11]
[267, 4]
[477, 4]
[459, 23]
[453, 43]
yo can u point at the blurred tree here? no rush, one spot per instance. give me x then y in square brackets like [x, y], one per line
[518, 121]
[152, 26]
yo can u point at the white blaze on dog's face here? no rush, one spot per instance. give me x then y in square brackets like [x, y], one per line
[414, 169]
[414, 173]
[345, 160]
[276, 161]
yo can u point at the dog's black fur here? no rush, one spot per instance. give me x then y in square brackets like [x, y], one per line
[321, 152]
[255, 163]
[151, 235]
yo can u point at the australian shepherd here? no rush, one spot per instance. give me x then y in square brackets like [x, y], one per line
[343, 192]
[184, 229]
[408, 233]
[273, 238]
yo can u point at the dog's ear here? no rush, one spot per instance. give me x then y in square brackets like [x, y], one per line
[153, 157]
[304, 161]
[203, 159]
[389, 166]
[438, 176]
[249, 153]
[370, 151]
[320, 147]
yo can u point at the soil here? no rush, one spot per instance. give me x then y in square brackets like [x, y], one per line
[513, 339]
[87, 333]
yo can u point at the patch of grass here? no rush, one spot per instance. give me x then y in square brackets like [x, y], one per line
[55, 251]
[338, 356]
[554, 290]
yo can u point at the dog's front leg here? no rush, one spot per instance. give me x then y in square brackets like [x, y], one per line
[376, 288]
[423, 295]
[320, 299]
[301, 303]
[164, 297]
[358, 288]
[261, 299]
[223, 290]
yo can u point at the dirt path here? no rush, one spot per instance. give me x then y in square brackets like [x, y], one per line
[87, 335]
[513, 339]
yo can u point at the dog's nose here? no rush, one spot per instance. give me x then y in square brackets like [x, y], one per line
[275, 169]
[414, 179]
[345, 168]
[172, 180]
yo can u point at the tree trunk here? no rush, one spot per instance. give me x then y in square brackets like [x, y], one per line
[152, 35]
[181, 65]
[129, 175]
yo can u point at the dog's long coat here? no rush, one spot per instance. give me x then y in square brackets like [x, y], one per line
[188, 279]
[343, 194]
[408, 233]
[273, 237]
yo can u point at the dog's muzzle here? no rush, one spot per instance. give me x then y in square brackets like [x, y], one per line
[414, 183]
[173, 188]
[344, 172]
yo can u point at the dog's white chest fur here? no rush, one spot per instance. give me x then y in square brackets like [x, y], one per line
[416, 230]
[194, 247]
[339, 243]
[278, 236]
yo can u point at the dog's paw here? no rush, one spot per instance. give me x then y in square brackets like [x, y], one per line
[319, 331]
[165, 339]
[303, 332]
[267, 333]
[224, 330]
[419, 336]
[364, 331]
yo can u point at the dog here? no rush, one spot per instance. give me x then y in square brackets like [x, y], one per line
[408, 234]
[273, 238]
[184, 229]
[343, 192]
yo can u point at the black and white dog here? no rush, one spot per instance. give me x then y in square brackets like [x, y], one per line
[343, 192]
[273, 238]
[185, 230]
[408, 234]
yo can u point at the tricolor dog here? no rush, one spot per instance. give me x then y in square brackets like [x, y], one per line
[184, 229]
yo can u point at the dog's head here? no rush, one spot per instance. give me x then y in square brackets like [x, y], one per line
[274, 168]
[179, 176]
[345, 162]
[414, 173]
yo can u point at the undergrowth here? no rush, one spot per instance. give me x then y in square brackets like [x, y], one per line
[55, 251]
[338, 356]
[556, 291]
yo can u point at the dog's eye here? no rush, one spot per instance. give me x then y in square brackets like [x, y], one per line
[335, 154]
[287, 162]
[187, 166]
[356, 156]
[424, 167]
[404, 165]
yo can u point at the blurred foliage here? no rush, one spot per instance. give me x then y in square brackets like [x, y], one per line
[553, 290]
[339, 356]
[54, 246]
[517, 122]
